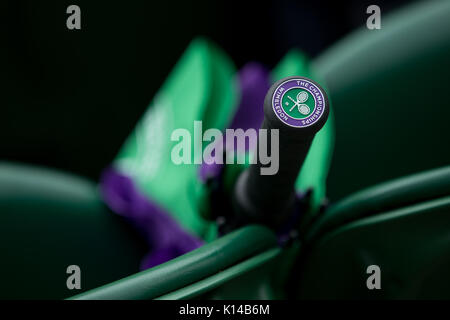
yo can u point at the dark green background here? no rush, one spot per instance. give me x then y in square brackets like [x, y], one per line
[68, 99]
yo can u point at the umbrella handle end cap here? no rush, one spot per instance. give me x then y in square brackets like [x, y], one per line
[296, 105]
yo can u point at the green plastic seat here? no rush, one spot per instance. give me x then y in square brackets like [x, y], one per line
[401, 226]
[396, 194]
[50, 220]
[388, 89]
[225, 258]
[375, 80]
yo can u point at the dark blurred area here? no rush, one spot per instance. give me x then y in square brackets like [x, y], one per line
[69, 98]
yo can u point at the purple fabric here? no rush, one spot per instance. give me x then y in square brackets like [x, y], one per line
[162, 233]
[254, 82]
[209, 170]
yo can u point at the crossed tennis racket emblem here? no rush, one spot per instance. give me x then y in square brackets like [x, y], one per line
[299, 104]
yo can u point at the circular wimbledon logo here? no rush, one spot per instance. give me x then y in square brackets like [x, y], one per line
[298, 102]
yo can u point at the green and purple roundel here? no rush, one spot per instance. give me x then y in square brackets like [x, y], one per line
[298, 102]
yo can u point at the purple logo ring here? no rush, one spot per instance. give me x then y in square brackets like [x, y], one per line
[286, 116]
